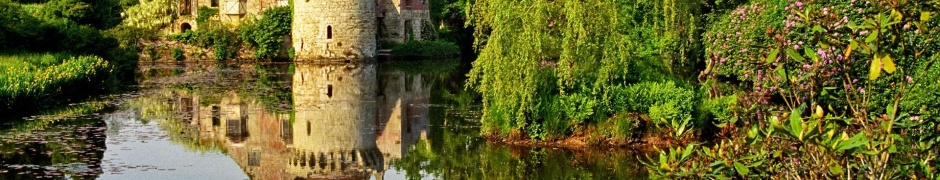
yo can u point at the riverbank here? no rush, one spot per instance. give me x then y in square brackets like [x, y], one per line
[32, 81]
[596, 136]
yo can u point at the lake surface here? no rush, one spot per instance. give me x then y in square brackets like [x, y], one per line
[207, 120]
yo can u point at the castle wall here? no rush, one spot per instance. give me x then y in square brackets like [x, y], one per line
[231, 12]
[399, 16]
[334, 29]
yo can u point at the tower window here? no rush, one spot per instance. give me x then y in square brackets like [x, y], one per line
[329, 32]
[254, 158]
[329, 90]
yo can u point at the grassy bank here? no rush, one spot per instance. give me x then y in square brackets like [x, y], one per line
[31, 81]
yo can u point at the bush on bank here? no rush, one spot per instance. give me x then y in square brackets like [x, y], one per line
[426, 49]
[825, 89]
[33, 80]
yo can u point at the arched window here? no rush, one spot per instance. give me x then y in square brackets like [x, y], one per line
[329, 32]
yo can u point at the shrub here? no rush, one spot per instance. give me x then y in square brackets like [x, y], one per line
[267, 34]
[178, 54]
[730, 41]
[640, 97]
[222, 41]
[205, 13]
[718, 111]
[426, 49]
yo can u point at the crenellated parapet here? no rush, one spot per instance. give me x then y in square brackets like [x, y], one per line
[356, 163]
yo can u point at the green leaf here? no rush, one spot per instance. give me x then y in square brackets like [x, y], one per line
[796, 123]
[875, 70]
[662, 161]
[796, 56]
[872, 36]
[708, 151]
[857, 140]
[853, 26]
[772, 56]
[741, 169]
[688, 151]
[925, 16]
[818, 29]
[896, 16]
[835, 168]
[811, 54]
[888, 63]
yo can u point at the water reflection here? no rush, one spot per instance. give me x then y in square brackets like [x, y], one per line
[335, 115]
[291, 121]
[345, 121]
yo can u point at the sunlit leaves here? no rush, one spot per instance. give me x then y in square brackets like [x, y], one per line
[881, 61]
[795, 55]
[875, 69]
[772, 56]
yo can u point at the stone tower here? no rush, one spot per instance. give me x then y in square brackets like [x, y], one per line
[334, 29]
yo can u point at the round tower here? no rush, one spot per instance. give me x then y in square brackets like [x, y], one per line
[334, 29]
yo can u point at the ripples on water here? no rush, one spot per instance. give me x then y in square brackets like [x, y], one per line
[285, 121]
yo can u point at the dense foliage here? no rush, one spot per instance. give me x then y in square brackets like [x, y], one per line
[787, 89]
[32, 80]
[80, 30]
[560, 62]
[151, 14]
[267, 34]
[825, 89]
[426, 49]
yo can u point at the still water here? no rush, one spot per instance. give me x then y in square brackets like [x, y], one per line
[403, 120]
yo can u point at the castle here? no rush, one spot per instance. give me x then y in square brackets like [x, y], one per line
[326, 29]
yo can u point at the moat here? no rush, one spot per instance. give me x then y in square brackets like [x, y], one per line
[209, 120]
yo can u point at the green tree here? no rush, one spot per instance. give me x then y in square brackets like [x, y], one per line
[558, 62]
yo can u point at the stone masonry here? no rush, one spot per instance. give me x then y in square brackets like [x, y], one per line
[334, 29]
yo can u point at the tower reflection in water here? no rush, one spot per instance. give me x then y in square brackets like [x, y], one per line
[348, 122]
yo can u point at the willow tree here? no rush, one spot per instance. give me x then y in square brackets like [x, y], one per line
[549, 65]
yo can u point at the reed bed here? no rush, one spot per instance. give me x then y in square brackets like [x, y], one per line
[31, 80]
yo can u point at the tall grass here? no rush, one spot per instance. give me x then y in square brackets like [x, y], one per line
[31, 80]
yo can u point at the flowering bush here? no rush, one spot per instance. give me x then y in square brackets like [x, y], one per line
[829, 94]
